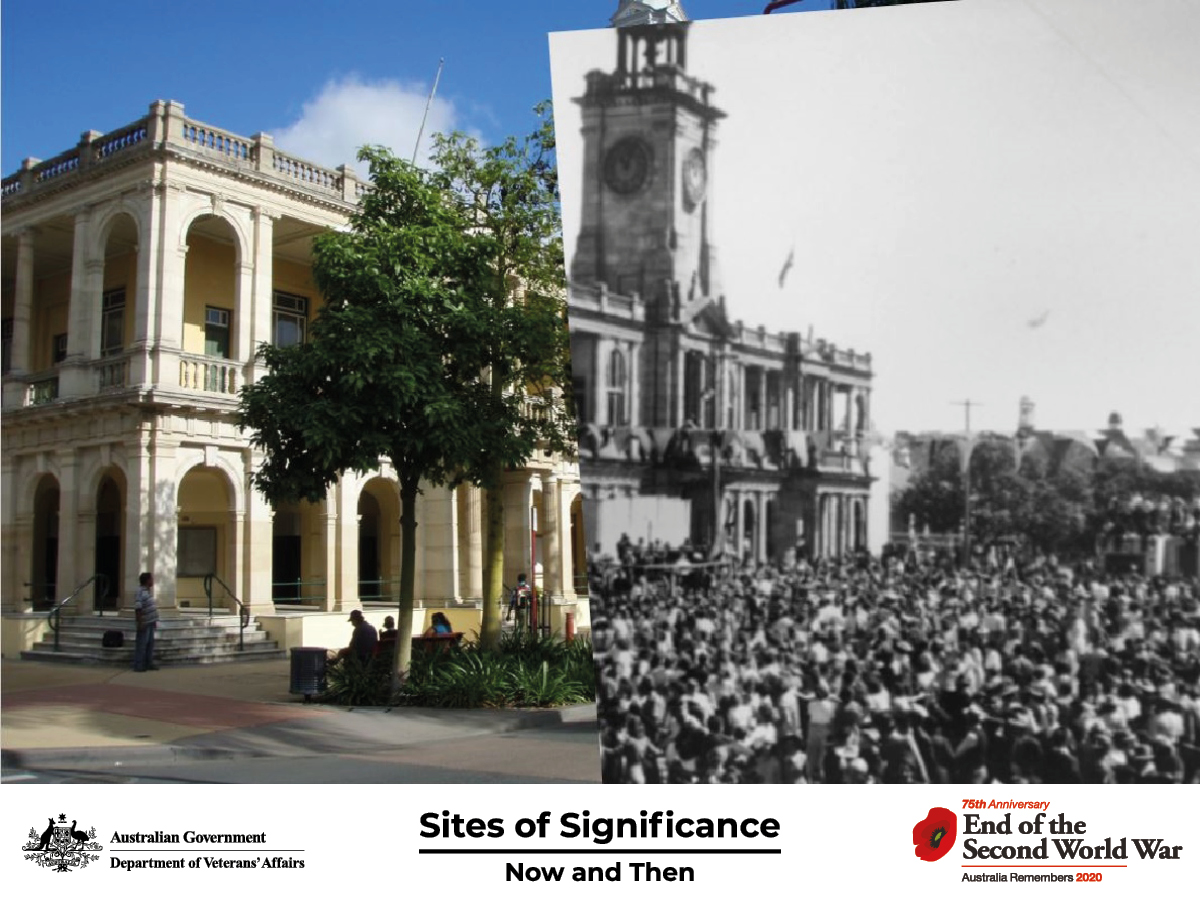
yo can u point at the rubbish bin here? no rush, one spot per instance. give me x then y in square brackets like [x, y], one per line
[308, 671]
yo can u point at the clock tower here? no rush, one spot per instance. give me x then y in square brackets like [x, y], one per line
[649, 135]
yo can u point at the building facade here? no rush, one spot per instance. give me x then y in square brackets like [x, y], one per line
[141, 269]
[694, 425]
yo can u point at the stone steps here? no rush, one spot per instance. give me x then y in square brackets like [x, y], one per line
[190, 639]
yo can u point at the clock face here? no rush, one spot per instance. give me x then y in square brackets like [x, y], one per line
[695, 177]
[627, 165]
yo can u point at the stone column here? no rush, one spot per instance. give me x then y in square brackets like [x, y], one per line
[347, 541]
[166, 323]
[788, 420]
[243, 315]
[738, 526]
[518, 495]
[567, 495]
[761, 388]
[11, 582]
[600, 388]
[22, 338]
[161, 526]
[137, 528]
[437, 563]
[68, 525]
[474, 535]
[679, 410]
[258, 546]
[634, 400]
[329, 530]
[22, 555]
[83, 342]
[263, 290]
[551, 544]
[85, 544]
[760, 555]
[736, 387]
[141, 304]
[237, 561]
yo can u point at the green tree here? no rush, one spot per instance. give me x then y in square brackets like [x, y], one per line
[376, 378]
[519, 339]
[935, 497]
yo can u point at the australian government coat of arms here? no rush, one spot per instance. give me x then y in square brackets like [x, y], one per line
[62, 847]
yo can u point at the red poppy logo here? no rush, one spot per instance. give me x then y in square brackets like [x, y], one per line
[934, 835]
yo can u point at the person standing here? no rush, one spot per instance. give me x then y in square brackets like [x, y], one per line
[146, 612]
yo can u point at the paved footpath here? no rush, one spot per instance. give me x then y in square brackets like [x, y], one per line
[237, 718]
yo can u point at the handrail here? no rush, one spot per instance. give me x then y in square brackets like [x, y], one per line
[100, 580]
[243, 609]
[299, 584]
[379, 584]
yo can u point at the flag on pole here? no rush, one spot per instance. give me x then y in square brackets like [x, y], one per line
[787, 267]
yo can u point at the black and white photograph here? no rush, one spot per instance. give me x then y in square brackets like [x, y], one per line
[884, 331]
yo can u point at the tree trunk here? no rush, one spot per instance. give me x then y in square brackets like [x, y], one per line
[493, 563]
[408, 572]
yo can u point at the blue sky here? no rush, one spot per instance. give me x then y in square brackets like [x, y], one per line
[316, 72]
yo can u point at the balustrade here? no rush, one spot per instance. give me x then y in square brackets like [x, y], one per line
[121, 139]
[211, 140]
[112, 372]
[308, 173]
[202, 373]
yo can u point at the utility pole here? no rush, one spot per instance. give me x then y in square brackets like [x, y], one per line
[966, 405]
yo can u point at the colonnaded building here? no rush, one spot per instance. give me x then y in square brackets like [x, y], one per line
[141, 269]
[694, 426]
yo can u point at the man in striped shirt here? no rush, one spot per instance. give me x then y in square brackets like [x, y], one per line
[146, 612]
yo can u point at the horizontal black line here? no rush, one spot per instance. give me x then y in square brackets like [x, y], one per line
[593, 850]
[198, 850]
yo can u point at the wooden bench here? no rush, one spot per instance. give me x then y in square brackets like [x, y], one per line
[430, 643]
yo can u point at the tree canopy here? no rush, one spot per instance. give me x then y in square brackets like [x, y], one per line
[439, 345]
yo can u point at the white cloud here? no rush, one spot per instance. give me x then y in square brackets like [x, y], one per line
[350, 112]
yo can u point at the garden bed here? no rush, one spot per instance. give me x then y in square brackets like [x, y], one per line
[526, 672]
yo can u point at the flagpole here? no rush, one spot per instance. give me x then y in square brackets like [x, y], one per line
[428, 103]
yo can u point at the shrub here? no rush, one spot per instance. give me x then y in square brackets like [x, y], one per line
[352, 682]
[526, 671]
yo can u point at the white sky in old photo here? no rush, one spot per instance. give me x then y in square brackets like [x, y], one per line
[952, 175]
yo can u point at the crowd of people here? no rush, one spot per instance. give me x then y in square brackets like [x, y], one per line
[898, 669]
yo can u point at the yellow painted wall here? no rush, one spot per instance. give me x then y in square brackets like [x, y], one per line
[51, 305]
[294, 278]
[210, 279]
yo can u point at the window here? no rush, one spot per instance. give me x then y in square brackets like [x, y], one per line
[291, 317]
[6, 343]
[196, 554]
[216, 331]
[58, 351]
[617, 379]
[112, 322]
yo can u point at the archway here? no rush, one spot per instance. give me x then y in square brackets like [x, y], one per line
[117, 297]
[298, 575]
[379, 541]
[205, 543]
[110, 516]
[211, 319]
[43, 579]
